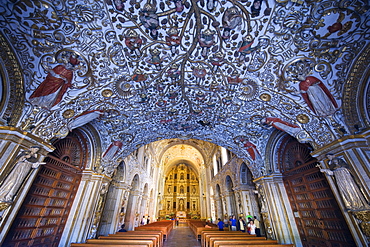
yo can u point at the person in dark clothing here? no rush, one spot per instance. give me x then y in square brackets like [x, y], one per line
[122, 228]
[258, 230]
[241, 226]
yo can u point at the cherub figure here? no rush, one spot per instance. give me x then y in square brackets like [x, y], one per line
[217, 60]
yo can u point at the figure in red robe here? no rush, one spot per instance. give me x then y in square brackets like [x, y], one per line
[51, 91]
[279, 124]
[317, 97]
[112, 150]
[252, 150]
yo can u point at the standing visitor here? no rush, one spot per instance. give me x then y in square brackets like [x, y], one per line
[233, 223]
[220, 225]
[258, 230]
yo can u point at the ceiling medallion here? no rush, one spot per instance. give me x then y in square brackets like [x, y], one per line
[68, 113]
[107, 93]
[265, 97]
[248, 90]
[124, 88]
[303, 118]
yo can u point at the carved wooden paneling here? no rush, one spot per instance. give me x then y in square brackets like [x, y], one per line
[43, 215]
[318, 217]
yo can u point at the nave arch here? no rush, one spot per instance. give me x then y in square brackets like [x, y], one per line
[104, 201]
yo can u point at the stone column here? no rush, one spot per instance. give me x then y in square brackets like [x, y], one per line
[114, 209]
[82, 218]
[276, 211]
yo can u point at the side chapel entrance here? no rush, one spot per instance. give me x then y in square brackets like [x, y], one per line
[44, 212]
[317, 214]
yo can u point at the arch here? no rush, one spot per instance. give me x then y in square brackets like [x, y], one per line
[356, 112]
[245, 175]
[131, 217]
[219, 202]
[229, 186]
[11, 86]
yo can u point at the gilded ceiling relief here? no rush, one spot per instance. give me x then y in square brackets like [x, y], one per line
[211, 70]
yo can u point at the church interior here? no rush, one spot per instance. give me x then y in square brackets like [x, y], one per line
[115, 110]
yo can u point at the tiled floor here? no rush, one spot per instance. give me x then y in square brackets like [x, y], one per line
[181, 236]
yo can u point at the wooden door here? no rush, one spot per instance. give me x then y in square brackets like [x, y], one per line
[317, 214]
[43, 214]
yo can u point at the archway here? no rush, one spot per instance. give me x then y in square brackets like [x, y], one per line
[231, 196]
[218, 201]
[317, 214]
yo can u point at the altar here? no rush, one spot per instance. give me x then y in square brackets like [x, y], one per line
[181, 214]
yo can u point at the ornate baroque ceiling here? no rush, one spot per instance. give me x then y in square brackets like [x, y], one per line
[210, 70]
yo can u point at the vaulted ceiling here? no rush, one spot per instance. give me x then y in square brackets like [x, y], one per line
[209, 70]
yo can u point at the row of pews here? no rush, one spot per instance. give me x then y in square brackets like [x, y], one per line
[198, 226]
[150, 235]
[211, 237]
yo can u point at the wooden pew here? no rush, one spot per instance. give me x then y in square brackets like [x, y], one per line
[210, 241]
[198, 226]
[219, 243]
[136, 237]
[151, 232]
[253, 245]
[165, 226]
[206, 234]
[108, 245]
[157, 234]
[103, 242]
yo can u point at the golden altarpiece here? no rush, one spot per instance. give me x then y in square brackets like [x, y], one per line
[181, 197]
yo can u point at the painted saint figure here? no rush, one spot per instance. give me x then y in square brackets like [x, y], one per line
[350, 192]
[199, 72]
[317, 97]
[112, 150]
[256, 8]
[279, 124]
[292, 129]
[51, 91]
[26, 160]
[84, 118]
[245, 47]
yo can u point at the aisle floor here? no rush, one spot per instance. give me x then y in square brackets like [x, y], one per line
[181, 236]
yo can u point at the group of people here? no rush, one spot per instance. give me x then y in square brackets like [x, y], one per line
[253, 226]
[145, 220]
